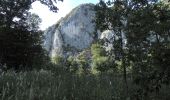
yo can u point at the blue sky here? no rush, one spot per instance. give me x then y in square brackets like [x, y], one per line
[49, 18]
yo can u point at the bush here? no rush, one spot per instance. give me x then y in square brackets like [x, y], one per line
[100, 61]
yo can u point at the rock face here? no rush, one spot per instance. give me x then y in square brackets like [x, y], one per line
[72, 33]
[108, 36]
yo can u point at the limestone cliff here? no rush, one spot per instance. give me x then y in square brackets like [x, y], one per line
[72, 33]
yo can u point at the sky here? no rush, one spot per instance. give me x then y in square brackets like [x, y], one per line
[49, 18]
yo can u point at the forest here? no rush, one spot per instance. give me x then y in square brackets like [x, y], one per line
[136, 67]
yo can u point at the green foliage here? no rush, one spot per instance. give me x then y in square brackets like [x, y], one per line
[144, 25]
[72, 64]
[100, 61]
[141, 50]
[97, 50]
[58, 60]
[101, 64]
[33, 22]
[21, 48]
[84, 63]
[20, 40]
[50, 3]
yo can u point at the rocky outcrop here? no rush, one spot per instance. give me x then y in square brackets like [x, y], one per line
[72, 33]
[108, 36]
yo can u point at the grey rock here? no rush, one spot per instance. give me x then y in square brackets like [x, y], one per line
[72, 33]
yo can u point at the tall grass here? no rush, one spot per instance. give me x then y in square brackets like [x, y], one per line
[47, 85]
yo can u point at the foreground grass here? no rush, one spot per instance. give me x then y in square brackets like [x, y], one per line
[46, 85]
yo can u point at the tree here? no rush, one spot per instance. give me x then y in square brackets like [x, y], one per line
[100, 60]
[142, 30]
[20, 43]
[33, 21]
[147, 32]
[114, 19]
[50, 3]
